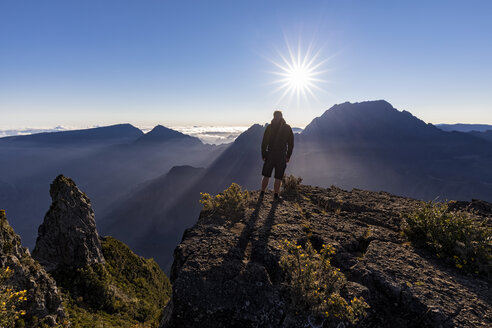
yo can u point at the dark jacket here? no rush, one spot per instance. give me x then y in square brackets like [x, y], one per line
[278, 141]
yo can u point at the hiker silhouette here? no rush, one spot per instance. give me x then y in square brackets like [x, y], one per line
[276, 150]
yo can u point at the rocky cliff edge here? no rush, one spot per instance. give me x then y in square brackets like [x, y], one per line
[226, 272]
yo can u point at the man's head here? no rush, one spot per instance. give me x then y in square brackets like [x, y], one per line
[277, 115]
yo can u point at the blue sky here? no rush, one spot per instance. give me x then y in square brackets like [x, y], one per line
[86, 63]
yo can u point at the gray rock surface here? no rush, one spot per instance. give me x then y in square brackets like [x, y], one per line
[226, 272]
[43, 298]
[68, 236]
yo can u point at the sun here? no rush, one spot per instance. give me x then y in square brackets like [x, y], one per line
[299, 73]
[299, 78]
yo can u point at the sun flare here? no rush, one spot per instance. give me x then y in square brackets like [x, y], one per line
[299, 73]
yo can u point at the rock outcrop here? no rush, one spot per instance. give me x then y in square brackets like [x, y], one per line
[44, 303]
[68, 236]
[105, 284]
[226, 272]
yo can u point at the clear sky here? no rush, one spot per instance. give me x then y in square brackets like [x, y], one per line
[96, 62]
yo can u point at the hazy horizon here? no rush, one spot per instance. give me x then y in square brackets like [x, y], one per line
[207, 133]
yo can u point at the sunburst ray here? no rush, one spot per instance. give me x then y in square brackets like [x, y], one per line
[299, 72]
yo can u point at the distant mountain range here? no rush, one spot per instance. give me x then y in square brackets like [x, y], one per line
[460, 127]
[110, 162]
[207, 134]
[145, 187]
[120, 133]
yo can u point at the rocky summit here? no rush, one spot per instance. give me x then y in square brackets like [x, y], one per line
[44, 302]
[68, 236]
[227, 272]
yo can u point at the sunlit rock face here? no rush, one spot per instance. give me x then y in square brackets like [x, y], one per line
[226, 272]
[68, 236]
[44, 302]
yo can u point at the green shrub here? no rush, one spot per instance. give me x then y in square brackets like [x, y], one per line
[141, 280]
[456, 236]
[231, 202]
[314, 285]
[126, 291]
[290, 185]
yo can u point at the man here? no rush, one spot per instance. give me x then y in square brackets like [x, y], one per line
[276, 149]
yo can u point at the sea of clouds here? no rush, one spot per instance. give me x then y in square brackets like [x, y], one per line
[213, 134]
[26, 131]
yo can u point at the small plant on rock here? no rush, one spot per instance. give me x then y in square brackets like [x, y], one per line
[456, 236]
[290, 185]
[314, 284]
[231, 202]
[10, 301]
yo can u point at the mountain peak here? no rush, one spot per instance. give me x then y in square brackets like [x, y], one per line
[161, 133]
[380, 103]
[68, 236]
[252, 132]
[369, 120]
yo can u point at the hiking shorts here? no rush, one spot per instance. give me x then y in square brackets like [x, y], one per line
[279, 167]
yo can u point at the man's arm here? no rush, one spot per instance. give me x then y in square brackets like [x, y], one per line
[264, 143]
[290, 144]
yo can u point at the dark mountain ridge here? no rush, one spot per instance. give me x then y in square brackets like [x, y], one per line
[374, 146]
[463, 127]
[378, 124]
[486, 135]
[119, 133]
[162, 134]
[376, 120]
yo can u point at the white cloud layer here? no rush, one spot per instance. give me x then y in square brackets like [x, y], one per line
[26, 131]
[212, 134]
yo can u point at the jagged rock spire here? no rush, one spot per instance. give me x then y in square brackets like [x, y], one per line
[68, 235]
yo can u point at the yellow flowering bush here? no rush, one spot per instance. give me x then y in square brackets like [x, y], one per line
[231, 202]
[314, 284]
[455, 236]
[10, 301]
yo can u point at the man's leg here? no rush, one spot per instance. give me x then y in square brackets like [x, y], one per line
[276, 185]
[279, 173]
[264, 183]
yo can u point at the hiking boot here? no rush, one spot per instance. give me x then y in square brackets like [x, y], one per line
[276, 197]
